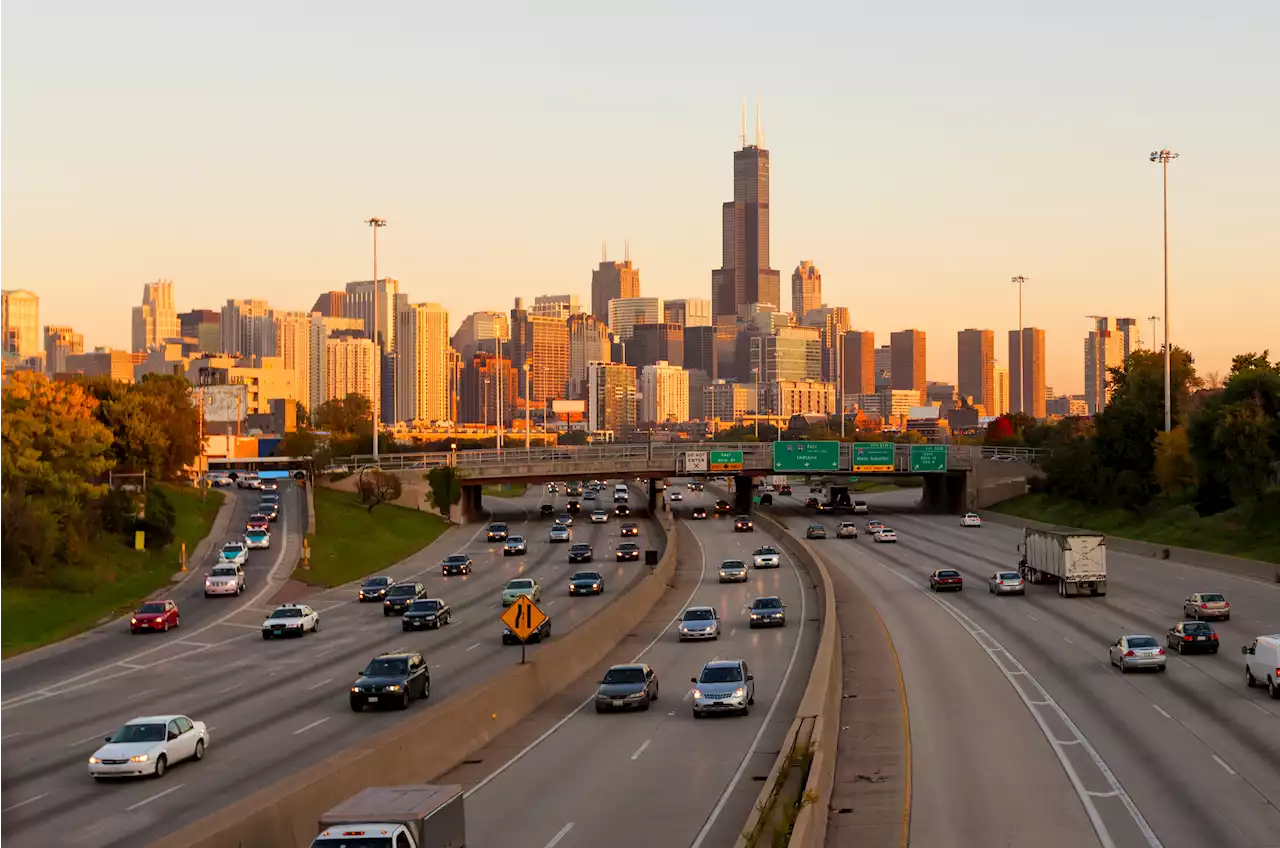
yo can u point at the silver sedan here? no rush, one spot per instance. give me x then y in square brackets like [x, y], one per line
[1130, 652]
[1007, 583]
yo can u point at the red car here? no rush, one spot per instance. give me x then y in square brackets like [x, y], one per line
[154, 616]
[257, 522]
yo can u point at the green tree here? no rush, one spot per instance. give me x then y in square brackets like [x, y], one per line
[155, 423]
[1234, 436]
[158, 518]
[573, 437]
[446, 488]
[1174, 469]
[376, 486]
[351, 415]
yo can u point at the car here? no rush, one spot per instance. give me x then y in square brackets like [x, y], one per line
[400, 595]
[860, 508]
[148, 745]
[540, 634]
[257, 539]
[884, 534]
[630, 529]
[784, 489]
[225, 579]
[874, 526]
[696, 486]
[815, 489]
[971, 519]
[374, 588]
[733, 571]
[271, 509]
[526, 586]
[573, 507]
[766, 557]
[723, 686]
[768, 487]
[599, 516]
[269, 486]
[515, 546]
[291, 620]
[553, 489]
[586, 583]
[826, 507]
[847, 530]
[815, 531]
[689, 485]
[1187, 637]
[580, 552]
[946, 578]
[219, 481]
[546, 509]
[574, 490]
[454, 564]
[1202, 605]
[393, 678]
[589, 495]
[248, 481]
[559, 533]
[768, 611]
[1137, 651]
[722, 507]
[257, 521]
[564, 519]
[699, 623]
[426, 613]
[766, 500]
[1262, 663]
[627, 551]
[675, 495]
[269, 497]
[811, 503]
[743, 524]
[154, 616]
[1007, 583]
[698, 514]
[497, 532]
[622, 510]
[625, 687]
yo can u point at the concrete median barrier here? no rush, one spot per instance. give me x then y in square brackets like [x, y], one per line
[436, 740]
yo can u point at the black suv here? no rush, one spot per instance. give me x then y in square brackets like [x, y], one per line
[396, 677]
[580, 552]
[497, 532]
[399, 596]
[547, 510]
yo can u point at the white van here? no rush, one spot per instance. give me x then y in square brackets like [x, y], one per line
[621, 493]
[1262, 663]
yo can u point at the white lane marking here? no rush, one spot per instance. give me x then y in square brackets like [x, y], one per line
[555, 840]
[307, 727]
[1068, 641]
[1032, 617]
[687, 696]
[473, 647]
[80, 742]
[154, 797]
[233, 687]
[10, 736]
[591, 700]
[978, 634]
[321, 683]
[1229, 770]
[238, 624]
[640, 750]
[733, 632]
[197, 644]
[25, 803]
[1160, 710]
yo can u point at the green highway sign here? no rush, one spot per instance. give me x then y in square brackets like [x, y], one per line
[928, 458]
[806, 456]
[726, 460]
[872, 456]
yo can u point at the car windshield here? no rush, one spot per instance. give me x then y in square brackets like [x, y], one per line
[257, 534]
[560, 529]
[292, 612]
[233, 548]
[520, 584]
[581, 547]
[945, 573]
[406, 589]
[564, 516]
[1008, 575]
[1142, 642]
[386, 668]
[767, 603]
[424, 606]
[150, 608]
[515, 540]
[139, 733]
[732, 564]
[585, 575]
[1196, 627]
[627, 546]
[256, 517]
[1212, 599]
[224, 572]
[721, 674]
[624, 675]
[699, 615]
[375, 582]
[457, 559]
[817, 528]
[766, 551]
[498, 527]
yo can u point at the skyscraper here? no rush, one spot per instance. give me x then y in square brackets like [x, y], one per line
[422, 363]
[320, 330]
[588, 342]
[331, 304]
[859, 362]
[625, 313]
[349, 367]
[653, 343]
[884, 367]
[744, 275]
[791, 354]
[664, 394]
[1106, 347]
[543, 344]
[248, 328]
[1000, 378]
[1026, 372]
[700, 349]
[806, 289]
[156, 319]
[292, 333]
[203, 325]
[483, 376]
[478, 328]
[976, 363]
[833, 322]
[59, 343]
[688, 311]
[555, 306]
[908, 361]
[611, 397]
[360, 304]
[21, 322]
[613, 281]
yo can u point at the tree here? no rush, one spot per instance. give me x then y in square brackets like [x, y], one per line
[158, 518]
[1174, 470]
[350, 415]
[1234, 436]
[573, 437]
[446, 489]
[155, 423]
[1009, 429]
[298, 443]
[376, 486]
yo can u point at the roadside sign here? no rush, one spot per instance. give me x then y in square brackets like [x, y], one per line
[695, 462]
[928, 458]
[853, 479]
[523, 618]
[726, 460]
[806, 456]
[872, 456]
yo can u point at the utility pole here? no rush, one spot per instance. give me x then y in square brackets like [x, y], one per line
[1164, 157]
[376, 224]
[1020, 281]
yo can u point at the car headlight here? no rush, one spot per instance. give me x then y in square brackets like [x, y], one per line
[640, 694]
[755, 615]
[141, 758]
[355, 688]
[697, 693]
[739, 692]
[394, 687]
[133, 621]
[595, 585]
[93, 761]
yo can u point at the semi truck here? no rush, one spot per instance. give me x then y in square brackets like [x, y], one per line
[396, 817]
[1074, 559]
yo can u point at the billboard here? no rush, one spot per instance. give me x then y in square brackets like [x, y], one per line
[223, 404]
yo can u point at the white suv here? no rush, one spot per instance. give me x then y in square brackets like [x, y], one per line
[1262, 663]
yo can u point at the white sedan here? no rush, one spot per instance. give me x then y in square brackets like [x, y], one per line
[766, 557]
[884, 534]
[291, 620]
[149, 745]
[971, 519]
[675, 496]
[233, 553]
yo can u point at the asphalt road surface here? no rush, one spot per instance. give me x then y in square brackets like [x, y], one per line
[273, 707]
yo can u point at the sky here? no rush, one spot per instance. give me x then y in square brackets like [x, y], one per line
[922, 155]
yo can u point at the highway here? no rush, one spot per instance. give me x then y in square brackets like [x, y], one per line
[273, 707]
[1185, 758]
[569, 776]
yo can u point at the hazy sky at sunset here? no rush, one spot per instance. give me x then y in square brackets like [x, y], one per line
[922, 154]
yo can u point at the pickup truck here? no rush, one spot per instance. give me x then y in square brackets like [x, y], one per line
[396, 817]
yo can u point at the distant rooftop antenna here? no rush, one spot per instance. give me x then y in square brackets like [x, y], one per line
[626, 257]
[759, 135]
[742, 127]
[604, 251]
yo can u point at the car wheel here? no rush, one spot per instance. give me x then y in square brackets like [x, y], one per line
[697, 714]
[1163, 668]
[1249, 679]
[266, 635]
[316, 627]
[161, 763]
[386, 613]
[1226, 617]
[599, 708]
[1273, 690]
[404, 701]
[1124, 669]
[645, 706]
[207, 595]
[356, 706]
[177, 622]
[655, 692]
[199, 754]
[1214, 649]
[164, 628]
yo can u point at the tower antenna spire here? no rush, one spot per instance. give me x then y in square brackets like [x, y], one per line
[604, 251]
[742, 126]
[627, 250]
[759, 137]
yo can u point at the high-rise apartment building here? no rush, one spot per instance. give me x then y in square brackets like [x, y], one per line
[248, 328]
[1026, 372]
[799, 397]
[613, 281]
[102, 362]
[264, 377]
[59, 343]
[292, 333]
[664, 394]
[884, 367]
[588, 342]
[744, 275]
[726, 401]
[1130, 335]
[321, 329]
[700, 349]
[349, 367]
[1000, 379]
[625, 313]
[859, 371]
[653, 343]
[21, 322]
[806, 289]
[908, 361]
[331, 304]
[364, 299]
[611, 397]
[833, 323]
[791, 354]
[976, 364]
[422, 363]
[203, 325]
[156, 320]
[1108, 345]
[478, 328]
[688, 312]
[486, 379]
[542, 343]
[555, 306]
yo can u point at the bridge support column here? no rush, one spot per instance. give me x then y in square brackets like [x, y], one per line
[651, 493]
[470, 508]
[945, 493]
[742, 493]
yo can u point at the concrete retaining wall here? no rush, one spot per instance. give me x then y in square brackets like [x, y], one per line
[431, 742]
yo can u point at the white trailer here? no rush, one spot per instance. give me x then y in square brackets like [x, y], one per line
[1075, 560]
[396, 817]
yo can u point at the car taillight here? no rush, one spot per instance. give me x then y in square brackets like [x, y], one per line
[1204, 606]
[1225, 604]
[1213, 636]
[1186, 638]
[1129, 653]
[1159, 650]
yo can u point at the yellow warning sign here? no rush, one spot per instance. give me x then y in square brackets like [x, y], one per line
[523, 618]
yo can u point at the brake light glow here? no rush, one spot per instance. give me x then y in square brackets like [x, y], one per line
[1186, 638]
[1213, 636]
[1129, 653]
[1160, 651]
[1204, 606]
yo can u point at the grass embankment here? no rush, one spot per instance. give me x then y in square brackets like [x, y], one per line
[504, 490]
[111, 584]
[351, 542]
[1234, 532]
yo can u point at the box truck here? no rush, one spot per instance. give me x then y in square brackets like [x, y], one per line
[1075, 560]
[396, 817]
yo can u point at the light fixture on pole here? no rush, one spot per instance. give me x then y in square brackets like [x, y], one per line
[1164, 157]
[376, 224]
[1153, 319]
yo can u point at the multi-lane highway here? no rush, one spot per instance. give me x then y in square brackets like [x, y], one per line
[274, 707]
[1022, 732]
[572, 777]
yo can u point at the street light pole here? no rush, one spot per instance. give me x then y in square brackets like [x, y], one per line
[840, 380]
[1153, 319]
[498, 368]
[376, 224]
[1164, 157]
[528, 406]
